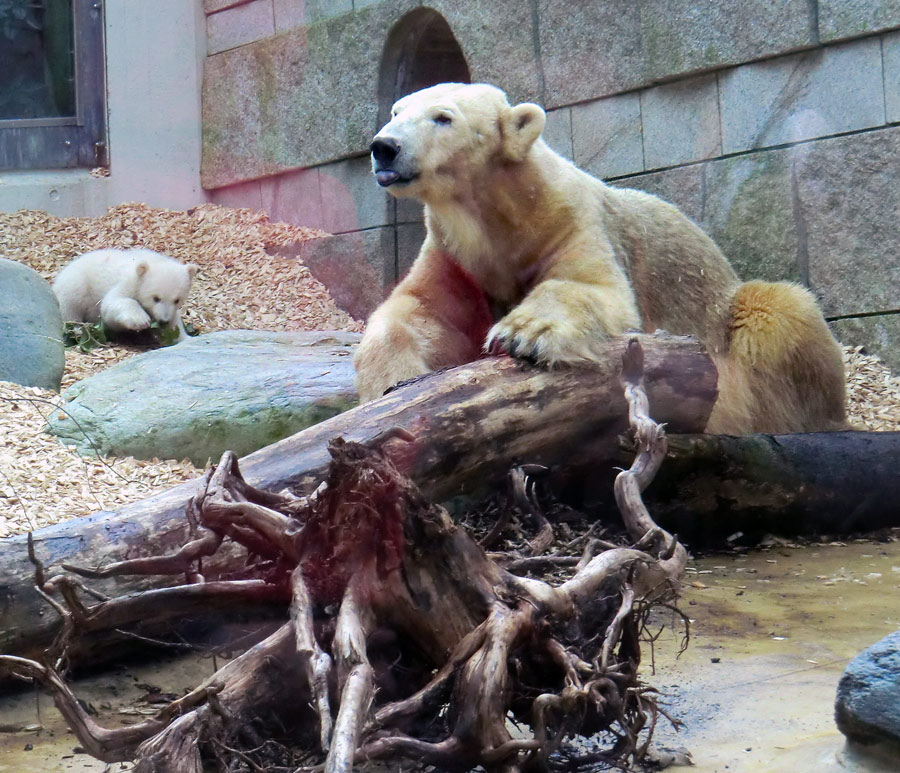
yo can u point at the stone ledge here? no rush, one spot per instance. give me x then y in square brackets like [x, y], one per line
[840, 19]
[239, 25]
[214, 6]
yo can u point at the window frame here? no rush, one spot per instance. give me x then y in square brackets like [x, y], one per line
[67, 142]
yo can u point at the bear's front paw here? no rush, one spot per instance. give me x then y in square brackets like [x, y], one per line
[547, 339]
[133, 319]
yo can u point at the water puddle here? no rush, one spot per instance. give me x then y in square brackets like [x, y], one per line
[771, 634]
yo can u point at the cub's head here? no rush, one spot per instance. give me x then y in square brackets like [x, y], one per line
[163, 285]
[448, 137]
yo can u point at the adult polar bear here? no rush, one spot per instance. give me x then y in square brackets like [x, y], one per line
[572, 261]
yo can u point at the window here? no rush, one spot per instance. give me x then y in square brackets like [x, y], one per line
[52, 84]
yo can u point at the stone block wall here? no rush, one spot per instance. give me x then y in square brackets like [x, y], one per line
[775, 124]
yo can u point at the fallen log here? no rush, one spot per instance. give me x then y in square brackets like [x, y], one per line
[369, 558]
[718, 488]
[466, 427]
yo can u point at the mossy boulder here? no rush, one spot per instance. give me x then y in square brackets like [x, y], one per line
[31, 329]
[235, 389]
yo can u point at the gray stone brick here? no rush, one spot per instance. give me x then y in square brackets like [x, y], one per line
[749, 212]
[684, 186]
[680, 37]
[308, 96]
[879, 335]
[607, 137]
[589, 50]
[239, 25]
[291, 101]
[850, 18]
[802, 96]
[290, 14]
[681, 122]
[498, 41]
[357, 268]
[295, 198]
[891, 58]
[246, 194]
[409, 241]
[351, 199]
[558, 131]
[409, 211]
[849, 200]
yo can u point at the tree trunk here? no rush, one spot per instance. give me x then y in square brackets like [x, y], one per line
[463, 427]
[714, 487]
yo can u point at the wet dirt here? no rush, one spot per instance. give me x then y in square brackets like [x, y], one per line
[771, 632]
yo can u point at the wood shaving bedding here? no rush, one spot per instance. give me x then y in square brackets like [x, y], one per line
[239, 285]
[43, 482]
[873, 392]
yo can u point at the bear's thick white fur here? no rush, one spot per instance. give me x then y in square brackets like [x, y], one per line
[569, 261]
[127, 289]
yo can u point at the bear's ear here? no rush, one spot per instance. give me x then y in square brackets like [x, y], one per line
[521, 126]
[192, 269]
[141, 268]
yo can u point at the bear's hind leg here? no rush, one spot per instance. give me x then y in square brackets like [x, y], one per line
[782, 362]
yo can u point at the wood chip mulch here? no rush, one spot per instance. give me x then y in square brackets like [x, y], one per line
[239, 285]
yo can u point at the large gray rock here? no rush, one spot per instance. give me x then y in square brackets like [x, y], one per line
[31, 329]
[235, 389]
[867, 709]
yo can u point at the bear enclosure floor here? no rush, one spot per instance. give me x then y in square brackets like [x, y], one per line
[772, 630]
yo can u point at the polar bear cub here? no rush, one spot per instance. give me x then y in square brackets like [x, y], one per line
[127, 289]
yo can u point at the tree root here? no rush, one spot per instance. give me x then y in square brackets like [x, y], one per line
[404, 638]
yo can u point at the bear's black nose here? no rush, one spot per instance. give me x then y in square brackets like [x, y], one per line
[385, 150]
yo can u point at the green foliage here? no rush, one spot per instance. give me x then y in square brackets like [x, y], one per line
[167, 335]
[164, 334]
[85, 335]
[89, 335]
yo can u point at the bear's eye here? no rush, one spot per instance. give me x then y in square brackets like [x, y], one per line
[443, 119]
[156, 299]
[177, 301]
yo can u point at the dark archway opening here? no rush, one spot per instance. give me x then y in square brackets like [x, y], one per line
[420, 51]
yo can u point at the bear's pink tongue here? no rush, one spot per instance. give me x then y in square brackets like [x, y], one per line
[386, 177]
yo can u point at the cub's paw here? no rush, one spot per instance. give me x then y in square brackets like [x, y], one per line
[547, 339]
[132, 319]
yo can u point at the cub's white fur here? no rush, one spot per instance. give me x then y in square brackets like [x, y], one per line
[127, 289]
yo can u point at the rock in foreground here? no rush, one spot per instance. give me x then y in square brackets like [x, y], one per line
[867, 709]
[235, 389]
[31, 329]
